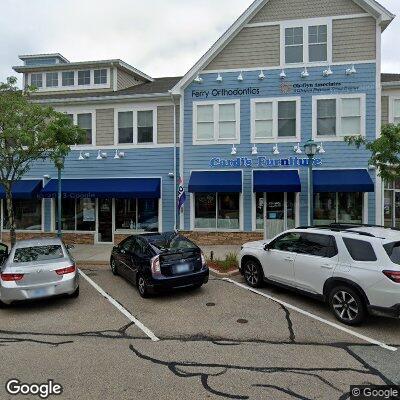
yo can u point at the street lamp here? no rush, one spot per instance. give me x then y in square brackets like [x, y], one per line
[59, 162]
[311, 149]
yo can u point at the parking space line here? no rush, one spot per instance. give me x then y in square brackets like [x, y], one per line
[123, 310]
[308, 314]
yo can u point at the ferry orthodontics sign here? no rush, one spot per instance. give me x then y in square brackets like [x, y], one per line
[262, 162]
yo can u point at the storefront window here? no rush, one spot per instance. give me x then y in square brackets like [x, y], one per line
[136, 214]
[77, 215]
[27, 214]
[259, 210]
[291, 210]
[338, 207]
[217, 211]
[391, 208]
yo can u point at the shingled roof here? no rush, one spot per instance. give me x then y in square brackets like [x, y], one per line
[390, 78]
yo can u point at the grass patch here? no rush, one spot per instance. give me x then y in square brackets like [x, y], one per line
[230, 263]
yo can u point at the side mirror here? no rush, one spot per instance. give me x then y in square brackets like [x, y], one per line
[70, 246]
[267, 247]
[3, 252]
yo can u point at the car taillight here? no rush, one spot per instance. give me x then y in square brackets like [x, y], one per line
[64, 271]
[11, 277]
[155, 266]
[203, 260]
[393, 275]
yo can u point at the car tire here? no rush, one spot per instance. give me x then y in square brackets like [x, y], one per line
[142, 286]
[253, 273]
[3, 305]
[197, 286]
[74, 295]
[114, 268]
[347, 305]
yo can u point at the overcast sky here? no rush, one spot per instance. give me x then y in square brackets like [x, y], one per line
[159, 37]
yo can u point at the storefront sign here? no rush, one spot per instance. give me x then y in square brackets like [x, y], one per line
[262, 162]
[205, 94]
[317, 87]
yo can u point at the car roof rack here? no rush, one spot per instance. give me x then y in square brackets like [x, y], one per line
[338, 228]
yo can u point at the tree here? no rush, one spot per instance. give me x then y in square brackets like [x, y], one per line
[385, 151]
[29, 132]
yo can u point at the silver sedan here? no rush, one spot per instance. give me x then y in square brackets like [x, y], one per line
[35, 269]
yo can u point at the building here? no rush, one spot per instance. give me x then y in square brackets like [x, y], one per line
[285, 72]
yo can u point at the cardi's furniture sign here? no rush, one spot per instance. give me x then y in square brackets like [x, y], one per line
[262, 162]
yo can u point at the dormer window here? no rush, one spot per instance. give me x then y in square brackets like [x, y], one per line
[51, 79]
[100, 76]
[84, 78]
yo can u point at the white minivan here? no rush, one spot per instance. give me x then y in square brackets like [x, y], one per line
[354, 268]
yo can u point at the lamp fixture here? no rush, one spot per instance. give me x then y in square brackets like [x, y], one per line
[101, 155]
[121, 154]
[81, 158]
[261, 77]
[254, 150]
[86, 156]
[321, 149]
[219, 78]
[351, 71]
[328, 71]
[116, 157]
[282, 74]
[198, 79]
[297, 149]
[234, 150]
[305, 73]
[275, 150]
[240, 77]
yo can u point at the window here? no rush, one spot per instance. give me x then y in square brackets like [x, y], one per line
[37, 80]
[84, 77]
[274, 119]
[392, 204]
[68, 78]
[77, 215]
[360, 250]
[317, 43]
[393, 251]
[217, 211]
[84, 121]
[216, 122]
[125, 127]
[294, 45]
[137, 214]
[395, 111]
[338, 207]
[338, 116]
[318, 245]
[27, 214]
[51, 79]
[145, 127]
[287, 242]
[38, 253]
[100, 76]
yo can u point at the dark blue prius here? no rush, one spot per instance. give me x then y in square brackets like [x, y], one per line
[159, 261]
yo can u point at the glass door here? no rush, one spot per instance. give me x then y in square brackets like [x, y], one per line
[105, 221]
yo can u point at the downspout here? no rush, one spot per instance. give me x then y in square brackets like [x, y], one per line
[175, 159]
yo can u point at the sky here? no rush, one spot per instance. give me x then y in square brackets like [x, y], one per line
[159, 37]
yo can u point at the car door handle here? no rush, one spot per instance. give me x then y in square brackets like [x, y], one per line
[289, 259]
[327, 266]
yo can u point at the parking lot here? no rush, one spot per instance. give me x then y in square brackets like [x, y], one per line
[221, 341]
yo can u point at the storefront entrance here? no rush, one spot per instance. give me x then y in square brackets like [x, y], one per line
[105, 221]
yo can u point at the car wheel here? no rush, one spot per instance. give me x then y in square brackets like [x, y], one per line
[253, 273]
[3, 305]
[197, 286]
[113, 266]
[75, 294]
[347, 305]
[142, 286]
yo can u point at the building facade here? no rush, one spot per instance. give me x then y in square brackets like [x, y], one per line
[284, 72]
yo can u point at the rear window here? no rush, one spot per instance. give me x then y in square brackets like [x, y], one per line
[360, 250]
[38, 253]
[393, 251]
[171, 243]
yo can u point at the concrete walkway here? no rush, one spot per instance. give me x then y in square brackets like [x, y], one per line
[86, 254]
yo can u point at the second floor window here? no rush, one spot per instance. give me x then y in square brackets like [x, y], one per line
[294, 45]
[37, 80]
[136, 127]
[396, 111]
[317, 43]
[100, 76]
[84, 77]
[84, 121]
[145, 126]
[68, 78]
[125, 127]
[51, 79]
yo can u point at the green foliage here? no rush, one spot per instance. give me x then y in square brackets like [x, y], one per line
[229, 263]
[385, 151]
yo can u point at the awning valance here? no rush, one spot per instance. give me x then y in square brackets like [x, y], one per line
[118, 188]
[23, 189]
[276, 182]
[215, 181]
[342, 180]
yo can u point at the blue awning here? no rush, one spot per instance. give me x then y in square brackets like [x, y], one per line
[342, 180]
[118, 188]
[276, 181]
[215, 181]
[24, 189]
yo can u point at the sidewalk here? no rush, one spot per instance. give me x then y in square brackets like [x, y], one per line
[99, 254]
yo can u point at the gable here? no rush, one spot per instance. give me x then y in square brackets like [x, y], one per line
[277, 10]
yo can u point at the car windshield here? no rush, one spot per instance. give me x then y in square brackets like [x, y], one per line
[38, 253]
[171, 242]
[393, 251]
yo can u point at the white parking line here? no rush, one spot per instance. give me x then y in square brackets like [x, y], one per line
[123, 310]
[294, 308]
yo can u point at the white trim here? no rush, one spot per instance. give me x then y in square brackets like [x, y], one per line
[275, 101]
[305, 24]
[338, 97]
[216, 139]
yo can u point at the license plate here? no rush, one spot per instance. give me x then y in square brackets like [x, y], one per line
[181, 269]
[43, 292]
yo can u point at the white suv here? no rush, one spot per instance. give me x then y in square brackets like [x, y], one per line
[356, 269]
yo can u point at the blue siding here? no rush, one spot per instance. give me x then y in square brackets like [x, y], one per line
[338, 154]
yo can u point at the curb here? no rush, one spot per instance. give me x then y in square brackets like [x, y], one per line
[229, 274]
[93, 264]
